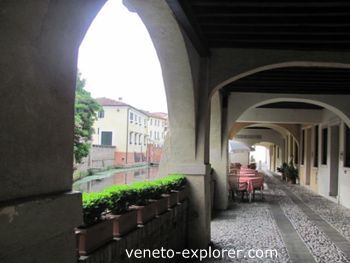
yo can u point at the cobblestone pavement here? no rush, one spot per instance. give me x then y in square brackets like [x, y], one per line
[246, 226]
[334, 214]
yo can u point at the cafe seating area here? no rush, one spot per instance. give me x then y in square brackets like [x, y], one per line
[244, 181]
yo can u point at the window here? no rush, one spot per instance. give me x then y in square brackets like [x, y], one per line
[106, 138]
[131, 117]
[150, 134]
[139, 120]
[145, 122]
[302, 147]
[135, 142]
[130, 137]
[144, 139]
[316, 146]
[140, 139]
[324, 145]
[347, 147]
[135, 119]
[101, 114]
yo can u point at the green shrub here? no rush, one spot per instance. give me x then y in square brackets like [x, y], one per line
[174, 182]
[94, 205]
[156, 188]
[118, 198]
[142, 191]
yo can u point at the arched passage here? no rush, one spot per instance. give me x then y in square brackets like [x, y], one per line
[239, 103]
[232, 72]
[283, 129]
[40, 57]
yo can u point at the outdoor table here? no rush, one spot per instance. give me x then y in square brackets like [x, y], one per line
[247, 174]
[252, 183]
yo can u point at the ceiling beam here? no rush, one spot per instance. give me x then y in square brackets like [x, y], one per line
[277, 3]
[189, 27]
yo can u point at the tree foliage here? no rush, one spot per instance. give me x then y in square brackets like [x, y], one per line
[86, 109]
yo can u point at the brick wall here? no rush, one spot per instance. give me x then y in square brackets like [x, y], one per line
[100, 156]
[167, 231]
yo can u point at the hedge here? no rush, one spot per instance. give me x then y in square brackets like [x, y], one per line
[118, 198]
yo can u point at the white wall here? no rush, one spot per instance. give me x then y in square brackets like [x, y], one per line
[323, 171]
[241, 157]
[344, 172]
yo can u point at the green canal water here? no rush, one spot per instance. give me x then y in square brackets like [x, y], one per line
[101, 180]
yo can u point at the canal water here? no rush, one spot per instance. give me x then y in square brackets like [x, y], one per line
[101, 180]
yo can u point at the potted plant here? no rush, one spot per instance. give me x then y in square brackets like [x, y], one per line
[283, 170]
[145, 209]
[178, 186]
[156, 190]
[118, 201]
[97, 229]
[168, 186]
[292, 173]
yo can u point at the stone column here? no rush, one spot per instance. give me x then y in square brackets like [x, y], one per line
[218, 153]
[38, 211]
[180, 153]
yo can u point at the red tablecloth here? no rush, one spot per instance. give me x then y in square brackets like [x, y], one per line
[251, 182]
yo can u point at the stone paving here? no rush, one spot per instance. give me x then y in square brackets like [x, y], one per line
[252, 226]
[334, 214]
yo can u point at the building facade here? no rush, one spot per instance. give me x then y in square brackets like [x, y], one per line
[137, 135]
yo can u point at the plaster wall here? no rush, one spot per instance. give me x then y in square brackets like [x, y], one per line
[156, 128]
[115, 120]
[254, 136]
[241, 157]
[138, 130]
[320, 176]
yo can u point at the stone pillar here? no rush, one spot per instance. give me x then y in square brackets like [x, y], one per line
[180, 153]
[38, 211]
[218, 153]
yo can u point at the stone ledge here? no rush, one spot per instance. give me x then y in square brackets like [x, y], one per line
[38, 221]
[168, 230]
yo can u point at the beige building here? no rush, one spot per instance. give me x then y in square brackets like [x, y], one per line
[129, 129]
[157, 128]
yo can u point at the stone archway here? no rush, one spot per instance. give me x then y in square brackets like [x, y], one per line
[233, 72]
[38, 66]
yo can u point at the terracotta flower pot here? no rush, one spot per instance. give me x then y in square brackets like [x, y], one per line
[124, 223]
[145, 213]
[95, 236]
[161, 205]
[181, 194]
[172, 199]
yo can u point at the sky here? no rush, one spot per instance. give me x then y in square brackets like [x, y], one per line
[117, 58]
